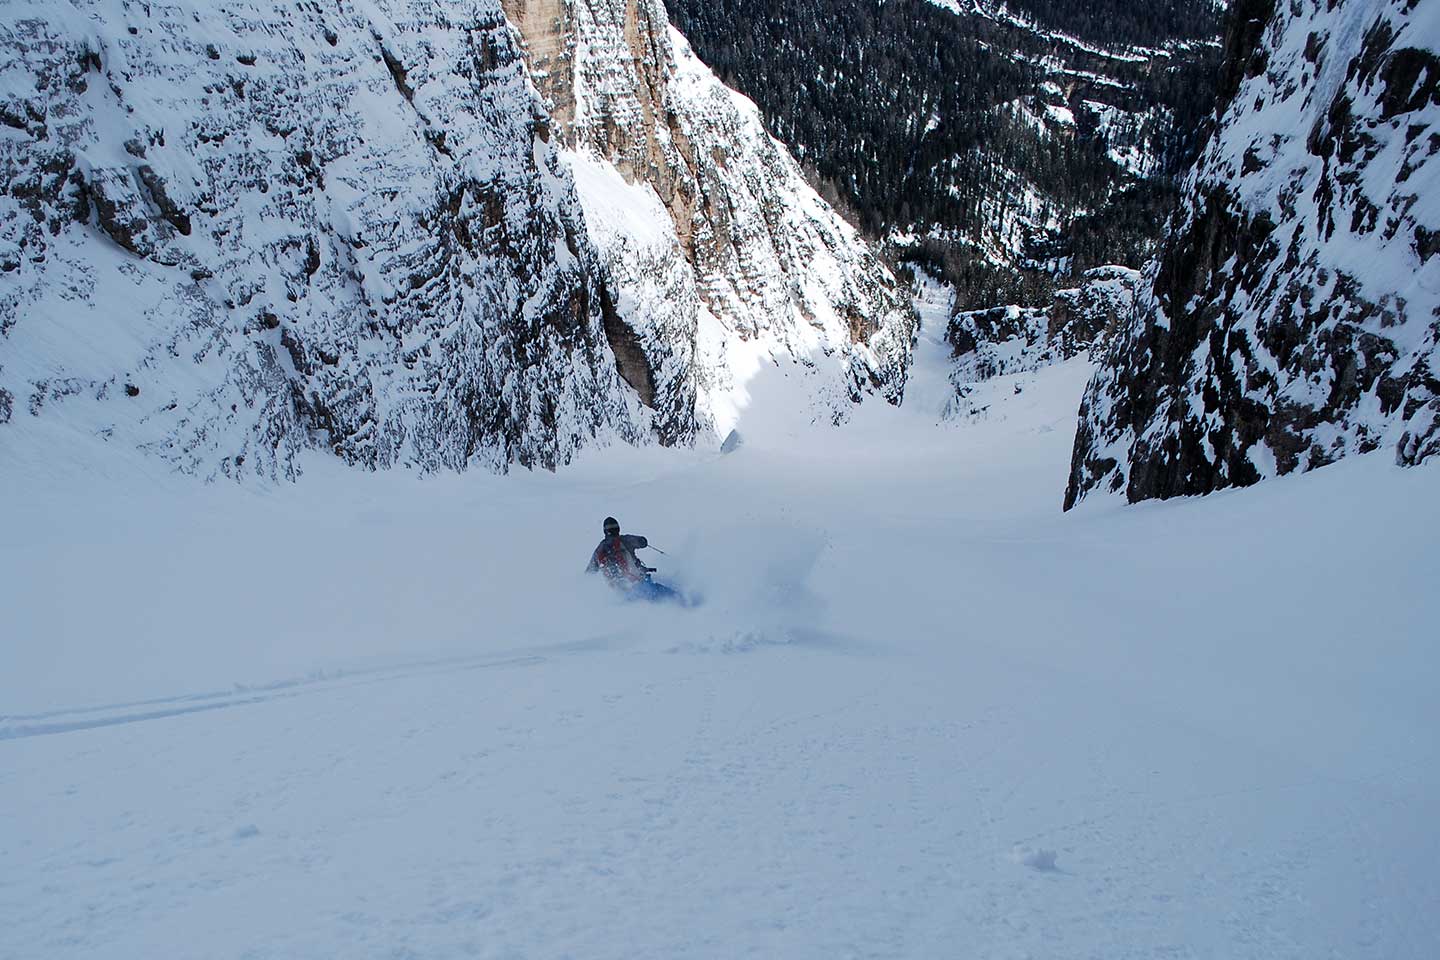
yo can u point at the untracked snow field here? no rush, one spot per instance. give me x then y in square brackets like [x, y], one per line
[921, 712]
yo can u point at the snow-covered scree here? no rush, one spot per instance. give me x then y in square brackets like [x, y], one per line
[1293, 317]
[921, 710]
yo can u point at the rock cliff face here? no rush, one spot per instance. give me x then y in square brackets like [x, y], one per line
[721, 256]
[1294, 315]
[230, 235]
[233, 234]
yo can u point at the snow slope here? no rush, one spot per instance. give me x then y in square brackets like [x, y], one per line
[922, 713]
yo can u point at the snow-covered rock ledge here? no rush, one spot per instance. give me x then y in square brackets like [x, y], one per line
[1013, 339]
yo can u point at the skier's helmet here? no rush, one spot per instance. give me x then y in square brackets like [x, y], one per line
[612, 526]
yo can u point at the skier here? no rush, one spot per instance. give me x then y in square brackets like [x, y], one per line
[615, 558]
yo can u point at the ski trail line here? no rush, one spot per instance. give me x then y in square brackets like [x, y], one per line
[204, 703]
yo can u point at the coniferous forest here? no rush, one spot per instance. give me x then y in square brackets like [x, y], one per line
[1007, 152]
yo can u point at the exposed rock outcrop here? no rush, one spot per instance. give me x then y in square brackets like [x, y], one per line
[1012, 339]
[1294, 315]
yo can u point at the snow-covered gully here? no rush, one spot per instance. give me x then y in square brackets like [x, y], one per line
[291, 668]
[922, 712]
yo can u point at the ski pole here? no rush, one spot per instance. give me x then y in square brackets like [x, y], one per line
[657, 550]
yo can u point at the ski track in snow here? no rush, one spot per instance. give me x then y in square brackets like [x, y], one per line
[970, 725]
[65, 720]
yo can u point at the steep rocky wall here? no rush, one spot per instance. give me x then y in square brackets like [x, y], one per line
[233, 233]
[721, 255]
[549, 39]
[1293, 317]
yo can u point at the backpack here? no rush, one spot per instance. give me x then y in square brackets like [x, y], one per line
[617, 562]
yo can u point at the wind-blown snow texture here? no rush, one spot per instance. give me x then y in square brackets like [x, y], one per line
[233, 234]
[1294, 315]
[723, 257]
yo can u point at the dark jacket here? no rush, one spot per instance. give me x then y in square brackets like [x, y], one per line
[615, 557]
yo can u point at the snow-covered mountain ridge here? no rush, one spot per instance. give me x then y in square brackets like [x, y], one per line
[230, 236]
[1293, 316]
